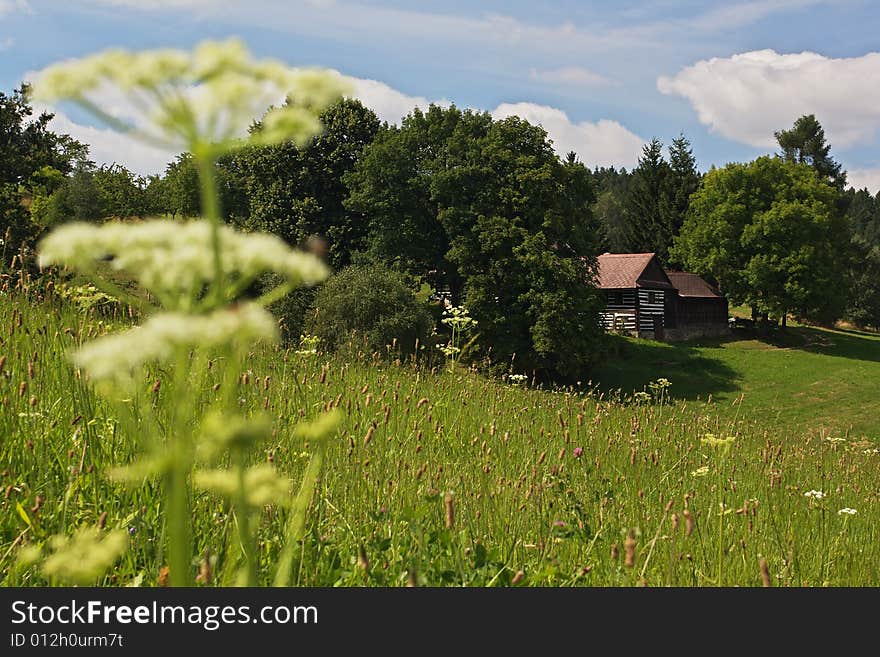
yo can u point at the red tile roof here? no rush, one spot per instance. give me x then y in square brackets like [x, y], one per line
[691, 285]
[622, 270]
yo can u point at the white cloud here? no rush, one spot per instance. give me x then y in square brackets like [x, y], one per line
[388, 103]
[861, 178]
[748, 96]
[9, 6]
[574, 76]
[732, 16]
[108, 146]
[603, 143]
[6, 43]
[357, 21]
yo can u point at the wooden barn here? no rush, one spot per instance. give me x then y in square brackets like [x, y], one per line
[638, 293]
[645, 300]
[700, 309]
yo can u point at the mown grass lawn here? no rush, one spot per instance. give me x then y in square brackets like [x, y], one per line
[804, 379]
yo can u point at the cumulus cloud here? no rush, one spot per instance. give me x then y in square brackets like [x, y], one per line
[748, 96]
[108, 146]
[388, 103]
[864, 178]
[574, 76]
[603, 143]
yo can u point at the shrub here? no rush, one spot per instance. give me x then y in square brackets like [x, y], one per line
[373, 303]
[291, 310]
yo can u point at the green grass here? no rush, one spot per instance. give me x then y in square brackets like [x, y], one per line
[802, 380]
[527, 509]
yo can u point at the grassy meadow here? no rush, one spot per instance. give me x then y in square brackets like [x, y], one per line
[449, 478]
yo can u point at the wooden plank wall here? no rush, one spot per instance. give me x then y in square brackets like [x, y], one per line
[648, 310]
[620, 303]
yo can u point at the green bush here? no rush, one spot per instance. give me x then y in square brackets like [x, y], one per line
[290, 310]
[373, 304]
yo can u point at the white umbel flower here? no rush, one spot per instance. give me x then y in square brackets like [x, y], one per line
[174, 260]
[262, 483]
[847, 512]
[116, 357]
[207, 98]
[814, 494]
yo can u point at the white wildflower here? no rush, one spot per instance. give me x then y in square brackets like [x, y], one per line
[117, 356]
[702, 471]
[207, 98]
[715, 442]
[262, 484]
[85, 556]
[517, 379]
[321, 427]
[814, 494]
[458, 318]
[174, 260]
[847, 512]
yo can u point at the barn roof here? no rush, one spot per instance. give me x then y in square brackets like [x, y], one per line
[691, 285]
[624, 270]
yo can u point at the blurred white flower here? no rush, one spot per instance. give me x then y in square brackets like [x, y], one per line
[174, 260]
[814, 494]
[199, 101]
[85, 556]
[117, 356]
[262, 484]
[847, 512]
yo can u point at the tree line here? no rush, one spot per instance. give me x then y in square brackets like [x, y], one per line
[485, 212]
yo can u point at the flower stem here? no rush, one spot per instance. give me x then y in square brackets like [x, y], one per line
[178, 522]
[242, 521]
[211, 211]
[296, 523]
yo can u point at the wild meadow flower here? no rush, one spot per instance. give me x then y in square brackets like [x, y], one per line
[517, 379]
[201, 100]
[702, 471]
[308, 345]
[174, 260]
[716, 443]
[814, 494]
[116, 357]
[847, 512]
[262, 484]
[85, 556]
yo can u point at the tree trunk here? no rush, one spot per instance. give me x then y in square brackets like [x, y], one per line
[784, 319]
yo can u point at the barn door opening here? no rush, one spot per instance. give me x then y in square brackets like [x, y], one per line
[658, 327]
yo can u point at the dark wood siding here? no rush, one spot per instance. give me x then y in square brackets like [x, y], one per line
[701, 311]
[620, 310]
[651, 305]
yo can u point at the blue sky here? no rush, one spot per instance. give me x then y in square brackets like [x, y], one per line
[601, 77]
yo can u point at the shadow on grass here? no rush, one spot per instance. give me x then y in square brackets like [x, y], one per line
[858, 345]
[840, 343]
[632, 364]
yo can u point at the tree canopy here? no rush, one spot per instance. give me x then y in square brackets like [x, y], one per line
[29, 153]
[770, 233]
[805, 143]
[487, 209]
